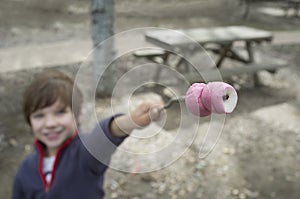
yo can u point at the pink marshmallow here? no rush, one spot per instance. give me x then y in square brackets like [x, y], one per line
[216, 97]
[193, 100]
[223, 97]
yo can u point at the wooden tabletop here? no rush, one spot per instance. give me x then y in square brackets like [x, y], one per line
[184, 37]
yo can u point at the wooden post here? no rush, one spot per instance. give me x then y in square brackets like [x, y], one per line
[102, 12]
[247, 4]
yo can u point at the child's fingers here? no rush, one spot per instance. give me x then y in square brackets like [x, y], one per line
[146, 113]
[149, 105]
[156, 112]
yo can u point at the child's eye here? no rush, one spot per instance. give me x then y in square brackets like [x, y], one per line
[38, 115]
[62, 111]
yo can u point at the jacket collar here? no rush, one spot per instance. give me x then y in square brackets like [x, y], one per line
[41, 153]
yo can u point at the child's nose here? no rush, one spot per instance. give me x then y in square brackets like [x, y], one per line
[51, 121]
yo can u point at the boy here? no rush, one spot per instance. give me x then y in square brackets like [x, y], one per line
[61, 166]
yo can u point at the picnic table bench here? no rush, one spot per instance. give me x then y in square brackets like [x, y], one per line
[292, 5]
[213, 75]
[286, 5]
[219, 40]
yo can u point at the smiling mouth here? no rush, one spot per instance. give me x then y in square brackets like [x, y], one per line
[53, 135]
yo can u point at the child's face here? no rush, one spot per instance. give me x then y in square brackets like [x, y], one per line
[52, 125]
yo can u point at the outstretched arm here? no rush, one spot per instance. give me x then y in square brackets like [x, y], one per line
[141, 117]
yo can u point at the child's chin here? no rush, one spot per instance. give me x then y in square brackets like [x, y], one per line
[54, 143]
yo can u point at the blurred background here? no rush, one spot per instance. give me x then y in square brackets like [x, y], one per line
[258, 154]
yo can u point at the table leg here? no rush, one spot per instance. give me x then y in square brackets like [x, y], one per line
[252, 60]
[223, 53]
[250, 51]
[231, 53]
[158, 69]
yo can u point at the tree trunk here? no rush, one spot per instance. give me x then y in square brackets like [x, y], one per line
[102, 12]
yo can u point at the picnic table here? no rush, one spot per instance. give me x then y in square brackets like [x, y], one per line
[219, 40]
[293, 4]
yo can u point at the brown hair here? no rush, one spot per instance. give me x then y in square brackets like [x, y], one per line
[49, 87]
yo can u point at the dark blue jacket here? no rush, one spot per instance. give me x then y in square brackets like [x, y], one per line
[76, 175]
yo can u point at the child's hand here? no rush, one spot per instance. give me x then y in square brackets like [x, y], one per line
[146, 112]
[141, 117]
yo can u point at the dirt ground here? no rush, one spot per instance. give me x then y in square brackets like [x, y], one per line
[257, 155]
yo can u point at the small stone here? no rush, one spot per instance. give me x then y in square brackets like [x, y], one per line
[161, 188]
[225, 168]
[190, 188]
[201, 165]
[154, 184]
[57, 26]
[147, 178]
[13, 142]
[242, 196]
[114, 185]
[191, 160]
[15, 31]
[235, 192]
[229, 151]
[251, 194]
[28, 148]
[288, 178]
[226, 150]
[114, 195]
[182, 192]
